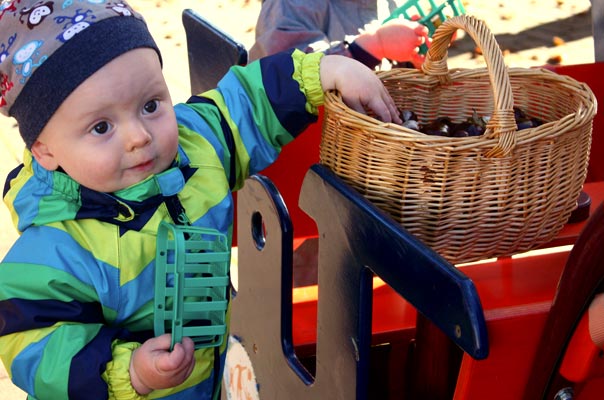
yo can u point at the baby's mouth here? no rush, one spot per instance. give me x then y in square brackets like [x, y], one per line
[144, 166]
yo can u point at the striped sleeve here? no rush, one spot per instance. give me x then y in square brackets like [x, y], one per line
[54, 339]
[259, 108]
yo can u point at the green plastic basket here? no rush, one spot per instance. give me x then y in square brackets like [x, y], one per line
[191, 283]
[430, 13]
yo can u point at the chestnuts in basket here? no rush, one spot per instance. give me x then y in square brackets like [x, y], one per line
[474, 125]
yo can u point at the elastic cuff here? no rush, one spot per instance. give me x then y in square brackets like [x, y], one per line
[307, 73]
[311, 76]
[117, 373]
[360, 54]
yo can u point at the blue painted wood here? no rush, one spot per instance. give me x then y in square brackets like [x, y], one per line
[356, 240]
[436, 288]
[211, 52]
[261, 309]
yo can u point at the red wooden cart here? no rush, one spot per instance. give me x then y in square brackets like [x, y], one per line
[329, 293]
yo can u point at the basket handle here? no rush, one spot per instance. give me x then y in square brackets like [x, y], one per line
[502, 124]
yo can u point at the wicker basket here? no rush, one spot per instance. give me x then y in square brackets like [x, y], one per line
[471, 198]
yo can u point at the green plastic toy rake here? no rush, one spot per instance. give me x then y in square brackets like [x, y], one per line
[430, 13]
[191, 283]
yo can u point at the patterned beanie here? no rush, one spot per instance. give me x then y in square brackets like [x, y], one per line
[48, 48]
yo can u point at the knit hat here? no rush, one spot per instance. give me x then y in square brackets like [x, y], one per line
[48, 48]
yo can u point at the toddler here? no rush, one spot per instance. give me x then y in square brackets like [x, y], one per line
[108, 157]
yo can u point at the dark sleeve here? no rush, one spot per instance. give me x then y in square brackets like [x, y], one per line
[287, 24]
[359, 54]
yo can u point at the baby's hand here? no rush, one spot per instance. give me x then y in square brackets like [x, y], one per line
[398, 39]
[359, 86]
[153, 366]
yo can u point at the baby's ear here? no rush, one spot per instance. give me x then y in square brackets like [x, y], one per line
[44, 156]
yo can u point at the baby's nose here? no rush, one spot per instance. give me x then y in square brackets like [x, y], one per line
[137, 136]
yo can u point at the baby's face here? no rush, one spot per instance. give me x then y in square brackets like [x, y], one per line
[116, 129]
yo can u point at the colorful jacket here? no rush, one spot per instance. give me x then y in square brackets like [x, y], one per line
[77, 287]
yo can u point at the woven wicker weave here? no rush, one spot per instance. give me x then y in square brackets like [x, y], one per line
[470, 198]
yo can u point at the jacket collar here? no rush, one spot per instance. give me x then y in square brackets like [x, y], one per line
[43, 196]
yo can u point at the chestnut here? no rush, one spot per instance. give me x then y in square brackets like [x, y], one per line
[408, 115]
[411, 124]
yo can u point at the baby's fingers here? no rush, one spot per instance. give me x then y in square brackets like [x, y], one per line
[355, 103]
[179, 358]
[417, 60]
[422, 30]
[381, 104]
[384, 108]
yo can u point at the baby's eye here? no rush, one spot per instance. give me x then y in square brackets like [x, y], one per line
[151, 106]
[101, 128]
